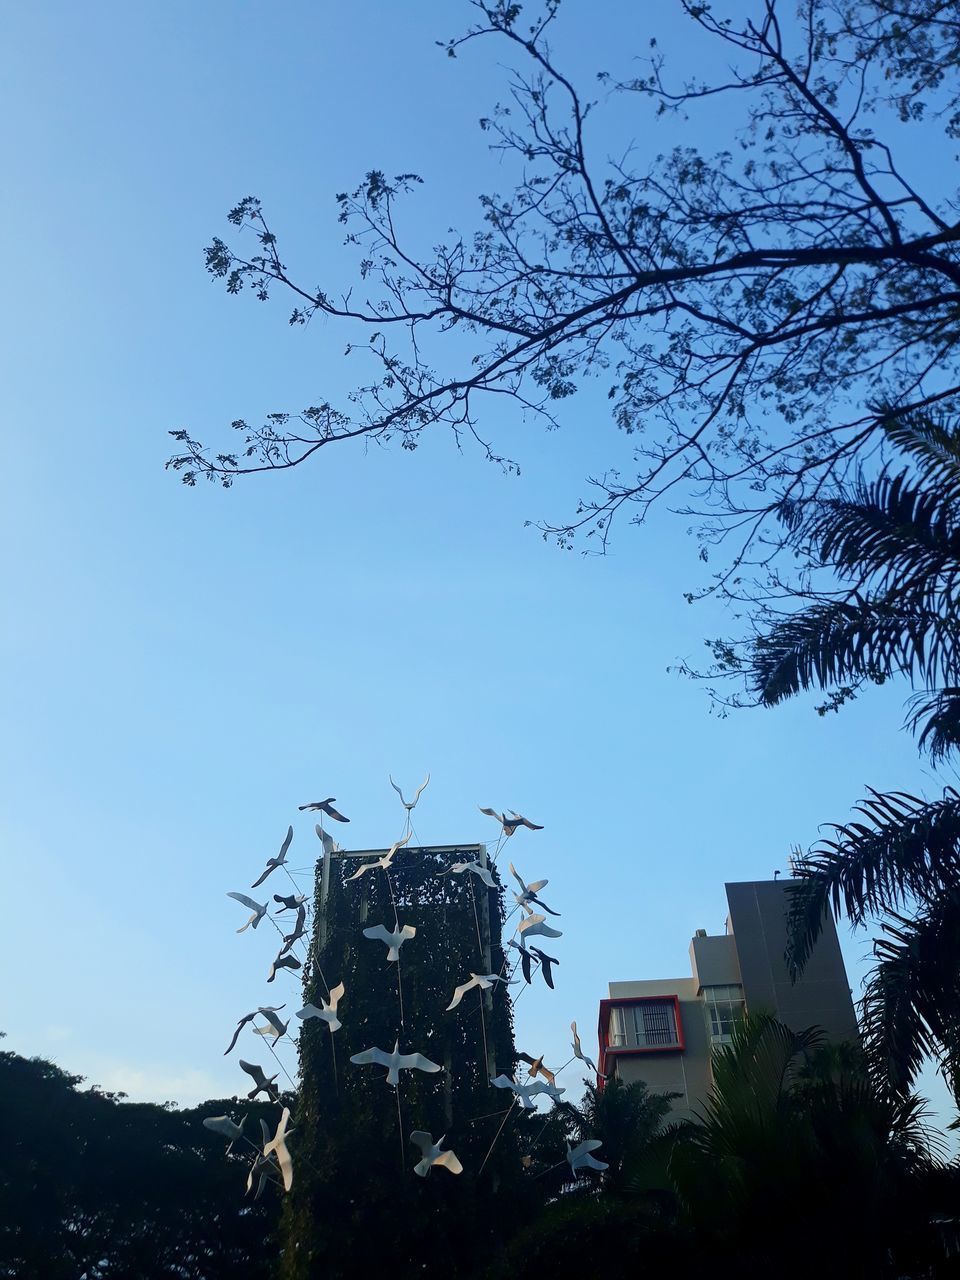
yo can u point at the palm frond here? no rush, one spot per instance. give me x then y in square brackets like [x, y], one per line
[845, 641]
[906, 847]
[935, 714]
[901, 534]
[911, 1004]
[933, 441]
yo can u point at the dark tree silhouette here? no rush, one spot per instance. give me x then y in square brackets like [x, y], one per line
[753, 315]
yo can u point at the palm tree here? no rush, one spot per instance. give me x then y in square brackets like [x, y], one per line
[796, 1143]
[894, 542]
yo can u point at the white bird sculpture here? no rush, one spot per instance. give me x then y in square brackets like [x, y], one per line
[384, 862]
[535, 926]
[265, 1009]
[578, 1053]
[482, 873]
[525, 1092]
[510, 820]
[432, 1155]
[277, 1147]
[283, 962]
[288, 901]
[278, 861]
[528, 892]
[259, 910]
[329, 1011]
[482, 980]
[276, 1027]
[579, 1157]
[393, 938]
[264, 1083]
[395, 1062]
[324, 806]
[226, 1128]
[408, 805]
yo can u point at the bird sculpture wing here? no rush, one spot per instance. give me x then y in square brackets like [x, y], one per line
[491, 813]
[518, 820]
[543, 906]
[309, 1011]
[461, 991]
[422, 1140]
[419, 1062]
[517, 876]
[331, 812]
[287, 842]
[531, 920]
[536, 885]
[224, 1126]
[534, 926]
[236, 1035]
[379, 932]
[367, 866]
[278, 1026]
[268, 870]
[447, 1160]
[278, 1147]
[336, 995]
[407, 932]
[525, 959]
[420, 790]
[328, 842]
[376, 1056]
[504, 1082]
[256, 907]
[482, 873]
[577, 1050]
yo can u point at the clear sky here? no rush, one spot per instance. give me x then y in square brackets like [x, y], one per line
[182, 668]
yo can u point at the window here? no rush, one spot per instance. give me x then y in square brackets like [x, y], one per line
[724, 1008]
[649, 1024]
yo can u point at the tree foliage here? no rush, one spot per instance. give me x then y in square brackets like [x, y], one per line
[753, 314]
[94, 1186]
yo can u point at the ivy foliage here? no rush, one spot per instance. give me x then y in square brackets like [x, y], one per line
[356, 1203]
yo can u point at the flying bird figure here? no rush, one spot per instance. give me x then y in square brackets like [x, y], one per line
[482, 980]
[579, 1157]
[393, 938]
[299, 929]
[409, 805]
[525, 1093]
[264, 1084]
[289, 901]
[578, 1053]
[546, 965]
[537, 1068]
[528, 892]
[259, 910]
[510, 820]
[535, 925]
[278, 861]
[265, 1009]
[276, 1027]
[432, 1155]
[226, 1128]
[384, 862]
[277, 1147]
[328, 1013]
[458, 868]
[283, 962]
[324, 806]
[395, 1062]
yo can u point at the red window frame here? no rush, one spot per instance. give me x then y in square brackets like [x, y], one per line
[603, 1028]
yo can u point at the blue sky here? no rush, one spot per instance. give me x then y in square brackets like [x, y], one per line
[184, 668]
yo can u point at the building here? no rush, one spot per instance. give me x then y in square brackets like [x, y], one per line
[664, 1031]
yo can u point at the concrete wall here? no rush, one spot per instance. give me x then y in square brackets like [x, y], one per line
[670, 1071]
[821, 997]
[714, 962]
